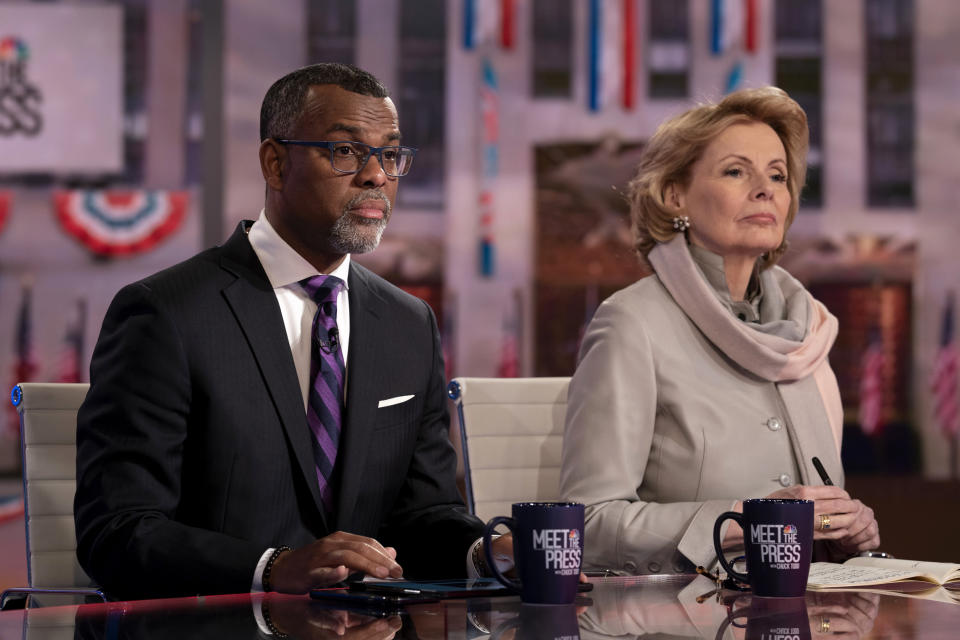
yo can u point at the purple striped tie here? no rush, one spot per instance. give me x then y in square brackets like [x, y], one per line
[326, 374]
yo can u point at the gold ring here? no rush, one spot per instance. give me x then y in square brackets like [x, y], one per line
[824, 525]
[824, 624]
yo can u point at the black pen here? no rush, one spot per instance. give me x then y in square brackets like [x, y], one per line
[823, 472]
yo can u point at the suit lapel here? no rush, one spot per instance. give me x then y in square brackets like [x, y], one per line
[362, 387]
[253, 302]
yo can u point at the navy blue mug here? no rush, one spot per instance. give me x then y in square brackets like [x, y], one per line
[549, 623]
[547, 548]
[778, 537]
[770, 619]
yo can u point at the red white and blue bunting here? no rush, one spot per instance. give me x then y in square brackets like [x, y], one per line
[120, 223]
[11, 508]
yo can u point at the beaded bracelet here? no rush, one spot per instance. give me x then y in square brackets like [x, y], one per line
[269, 567]
[265, 612]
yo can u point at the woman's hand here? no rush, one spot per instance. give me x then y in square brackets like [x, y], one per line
[847, 522]
[842, 615]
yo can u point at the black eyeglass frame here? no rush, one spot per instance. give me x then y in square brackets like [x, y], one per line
[330, 145]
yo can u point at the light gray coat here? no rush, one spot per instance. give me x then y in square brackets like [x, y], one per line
[664, 431]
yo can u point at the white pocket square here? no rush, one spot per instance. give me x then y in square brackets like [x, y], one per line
[389, 402]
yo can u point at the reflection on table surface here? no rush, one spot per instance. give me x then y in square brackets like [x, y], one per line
[649, 606]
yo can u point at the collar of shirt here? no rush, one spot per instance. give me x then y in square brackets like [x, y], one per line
[711, 266]
[285, 268]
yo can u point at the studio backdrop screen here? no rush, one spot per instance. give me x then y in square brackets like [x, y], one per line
[61, 89]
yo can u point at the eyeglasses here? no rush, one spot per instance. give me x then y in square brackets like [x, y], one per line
[351, 157]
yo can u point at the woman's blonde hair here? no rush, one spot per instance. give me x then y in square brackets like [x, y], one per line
[680, 141]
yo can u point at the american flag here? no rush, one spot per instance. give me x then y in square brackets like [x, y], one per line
[733, 28]
[490, 134]
[944, 381]
[23, 367]
[509, 366]
[487, 22]
[871, 384]
[5, 198]
[611, 47]
[71, 359]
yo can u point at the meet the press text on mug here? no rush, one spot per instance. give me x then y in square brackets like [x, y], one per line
[782, 633]
[779, 546]
[561, 549]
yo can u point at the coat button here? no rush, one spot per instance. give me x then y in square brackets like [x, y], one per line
[785, 480]
[774, 424]
[654, 567]
[630, 566]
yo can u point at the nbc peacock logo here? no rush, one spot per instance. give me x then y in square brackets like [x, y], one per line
[19, 98]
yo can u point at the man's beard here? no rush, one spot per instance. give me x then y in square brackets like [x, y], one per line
[353, 234]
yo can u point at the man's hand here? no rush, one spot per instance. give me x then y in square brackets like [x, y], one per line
[330, 560]
[306, 619]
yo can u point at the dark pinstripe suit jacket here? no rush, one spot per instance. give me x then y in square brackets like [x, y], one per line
[193, 451]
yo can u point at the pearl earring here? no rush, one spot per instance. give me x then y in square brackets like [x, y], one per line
[681, 223]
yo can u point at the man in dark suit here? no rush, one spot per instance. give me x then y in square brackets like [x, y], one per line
[208, 443]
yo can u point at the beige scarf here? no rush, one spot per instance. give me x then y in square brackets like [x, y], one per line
[784, 350]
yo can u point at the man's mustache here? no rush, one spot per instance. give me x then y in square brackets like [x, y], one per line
[370, 194]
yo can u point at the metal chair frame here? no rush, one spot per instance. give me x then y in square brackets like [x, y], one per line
[454, 392]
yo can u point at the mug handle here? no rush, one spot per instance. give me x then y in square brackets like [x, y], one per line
[727, 515]
[732, 614]
[488, 551]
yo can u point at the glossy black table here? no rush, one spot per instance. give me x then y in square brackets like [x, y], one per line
[649, 606]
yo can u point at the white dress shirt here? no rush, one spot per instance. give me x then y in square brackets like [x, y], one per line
[285, 269]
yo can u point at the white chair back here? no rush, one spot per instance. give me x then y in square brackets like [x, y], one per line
[48, 437]
[511, 432]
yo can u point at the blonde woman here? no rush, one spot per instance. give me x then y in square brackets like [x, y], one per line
[707, 383]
